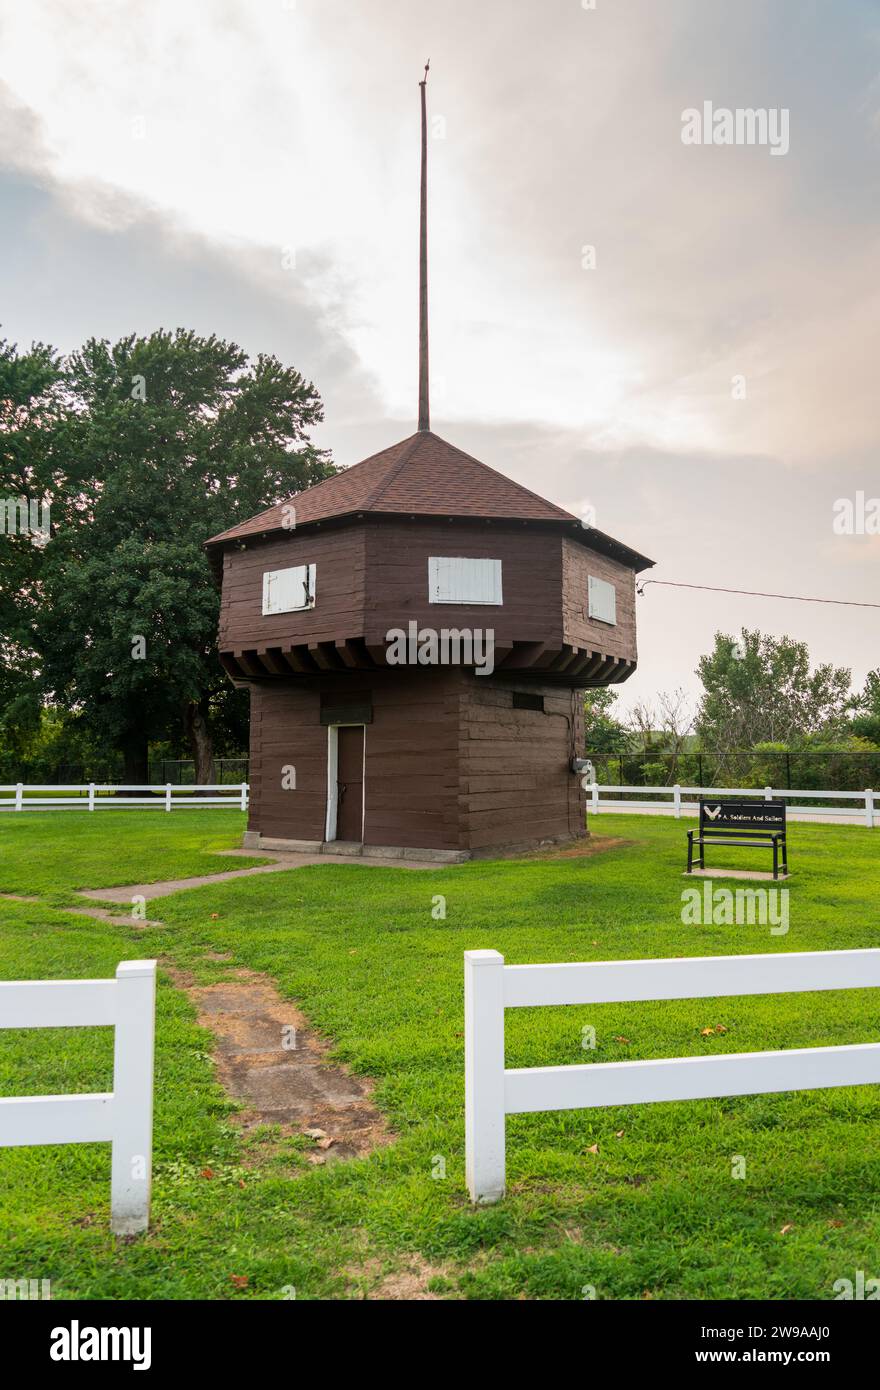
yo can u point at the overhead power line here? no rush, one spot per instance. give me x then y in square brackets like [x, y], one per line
[754, 593]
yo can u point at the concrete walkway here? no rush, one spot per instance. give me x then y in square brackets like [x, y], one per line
[279, 861]
[100, 913]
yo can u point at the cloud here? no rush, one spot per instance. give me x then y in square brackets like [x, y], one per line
[88, 259]
[162, 159]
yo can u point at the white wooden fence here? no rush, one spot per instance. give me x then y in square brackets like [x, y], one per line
[491, 1092]
[608, 797]
[123, 1116]
[93, 796]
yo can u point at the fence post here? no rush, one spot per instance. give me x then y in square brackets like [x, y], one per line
[768, 793]
[244, 792]
[91, 796]
[594, 798]
[132, 1160]
[19, 795]
[869, 808]
[167, 796]
[484, 1135]
[676, 800]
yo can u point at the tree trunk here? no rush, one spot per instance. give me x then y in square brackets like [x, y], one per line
[195, 723]
[135, 755]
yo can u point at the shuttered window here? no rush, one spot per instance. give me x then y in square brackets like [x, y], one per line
[602, 601]
[284, 591]
[454, 579]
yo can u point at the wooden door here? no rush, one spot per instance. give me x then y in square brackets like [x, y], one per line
[350, 782]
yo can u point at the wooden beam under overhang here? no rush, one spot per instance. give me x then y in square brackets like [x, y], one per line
[350, 656]
[231, 666]
[376, 653]
[580, 663]
[274, 659]
[298, 660]
[622, 669]
[606, 670]
[325, 656]
[594, 664]
[500, 652]
[563, 661]
[523, 656]
[547, 660]
[252, 665]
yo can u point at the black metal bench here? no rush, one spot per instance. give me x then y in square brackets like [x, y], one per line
[750, 824]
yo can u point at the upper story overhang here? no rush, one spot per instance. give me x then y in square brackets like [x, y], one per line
[424, 534]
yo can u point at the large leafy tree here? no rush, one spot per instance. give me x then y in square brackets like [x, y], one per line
[866, 706]
[32, 471]
[761, 689]
[171, 438]
[603, 733]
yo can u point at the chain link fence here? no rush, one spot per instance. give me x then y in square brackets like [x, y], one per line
[180, 772]
[818, 769]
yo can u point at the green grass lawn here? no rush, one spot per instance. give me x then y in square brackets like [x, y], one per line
[655, 1212]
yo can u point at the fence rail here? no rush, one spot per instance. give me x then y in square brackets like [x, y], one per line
[492, 1093]
[94, 796]
[228, 771]
[123, 1116]
[613, 798]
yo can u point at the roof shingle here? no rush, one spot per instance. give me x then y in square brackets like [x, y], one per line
[421, 476]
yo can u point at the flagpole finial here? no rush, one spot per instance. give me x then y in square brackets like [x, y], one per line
[424, 405]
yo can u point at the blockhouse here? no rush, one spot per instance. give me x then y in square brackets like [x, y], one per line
[416, 633]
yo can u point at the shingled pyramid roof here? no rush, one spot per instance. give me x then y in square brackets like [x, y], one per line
[421, 476]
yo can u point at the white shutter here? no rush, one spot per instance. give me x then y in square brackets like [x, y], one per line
[602, 601]
[270, 592]
[458, 579]
[285, 591]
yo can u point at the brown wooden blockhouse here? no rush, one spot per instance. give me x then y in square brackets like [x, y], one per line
[415, 633]
[371, 732]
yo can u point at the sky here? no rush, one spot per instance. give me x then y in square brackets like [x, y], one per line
[682, 337]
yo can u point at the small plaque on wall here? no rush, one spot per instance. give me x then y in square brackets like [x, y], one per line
[347, 709]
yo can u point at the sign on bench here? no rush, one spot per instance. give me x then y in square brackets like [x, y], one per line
[492, 1093]
[748, 824]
